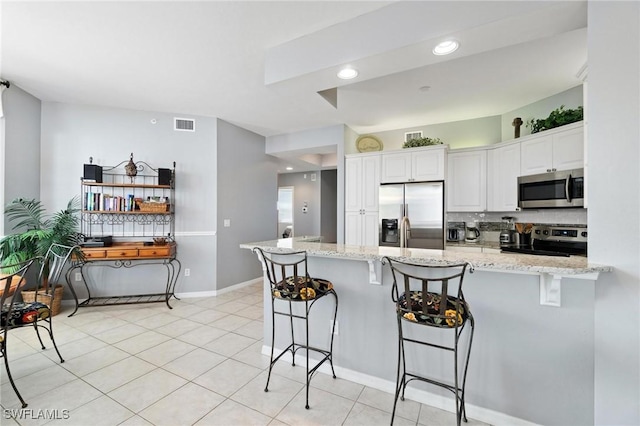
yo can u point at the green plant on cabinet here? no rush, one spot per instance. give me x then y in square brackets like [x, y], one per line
[558, 117]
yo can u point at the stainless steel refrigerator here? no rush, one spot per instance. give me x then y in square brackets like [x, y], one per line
[412, 215]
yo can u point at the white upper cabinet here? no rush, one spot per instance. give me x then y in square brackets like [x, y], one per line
[503, 169]
[553, 150]
[466, 185]
[414, 165]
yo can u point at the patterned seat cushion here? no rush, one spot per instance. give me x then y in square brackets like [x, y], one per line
[24, 313]
[412, 310]
[303, 289]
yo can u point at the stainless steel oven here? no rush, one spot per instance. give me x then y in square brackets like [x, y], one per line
[551, 190]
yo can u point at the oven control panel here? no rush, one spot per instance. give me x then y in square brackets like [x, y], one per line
[560, 233]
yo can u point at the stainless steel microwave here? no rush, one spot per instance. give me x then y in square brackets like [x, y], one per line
[551, 190]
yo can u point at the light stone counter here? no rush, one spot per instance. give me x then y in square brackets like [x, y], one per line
[506, 262]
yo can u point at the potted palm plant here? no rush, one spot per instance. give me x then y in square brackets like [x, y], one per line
[36, 232]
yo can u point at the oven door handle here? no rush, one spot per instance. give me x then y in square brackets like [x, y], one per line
[567, 187]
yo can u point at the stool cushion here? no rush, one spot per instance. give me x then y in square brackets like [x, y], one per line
[301, 288]
[24, 313]
[412, 311]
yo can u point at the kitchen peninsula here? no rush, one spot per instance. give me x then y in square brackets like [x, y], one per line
[534, 341]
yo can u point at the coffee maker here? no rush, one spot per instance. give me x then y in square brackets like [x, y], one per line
[507, 234]
[472, 234]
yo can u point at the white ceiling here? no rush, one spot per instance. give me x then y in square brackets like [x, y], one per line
[260, 64]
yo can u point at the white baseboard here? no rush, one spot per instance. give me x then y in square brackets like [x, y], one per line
[213, 293]
[486, 415]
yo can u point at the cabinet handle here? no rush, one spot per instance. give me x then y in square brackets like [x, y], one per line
[548, 170]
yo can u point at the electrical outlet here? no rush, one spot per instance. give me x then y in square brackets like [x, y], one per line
[78, 276]
[187, 272]
[336, 330]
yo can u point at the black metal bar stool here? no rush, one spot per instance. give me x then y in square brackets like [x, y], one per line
[427, 295]
[290, 283]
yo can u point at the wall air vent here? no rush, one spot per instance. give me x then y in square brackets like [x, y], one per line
[412, 135]
[184, 124]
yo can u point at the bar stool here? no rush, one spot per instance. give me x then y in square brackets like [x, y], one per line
[428, 295]
[290, 283]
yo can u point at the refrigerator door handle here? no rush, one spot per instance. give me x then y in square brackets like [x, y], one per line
[405, 229]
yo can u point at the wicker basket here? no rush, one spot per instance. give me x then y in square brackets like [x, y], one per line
[150, 207]
[30, 296]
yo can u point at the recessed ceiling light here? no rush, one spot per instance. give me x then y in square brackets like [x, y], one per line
[347, 73]
[446, 47]
[289, 168]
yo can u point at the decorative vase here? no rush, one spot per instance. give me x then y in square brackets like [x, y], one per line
[131, 169]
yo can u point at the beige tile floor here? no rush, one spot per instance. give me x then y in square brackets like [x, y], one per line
[197, 364]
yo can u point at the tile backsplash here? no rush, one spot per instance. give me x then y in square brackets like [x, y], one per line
[546, 216]
[490, 223]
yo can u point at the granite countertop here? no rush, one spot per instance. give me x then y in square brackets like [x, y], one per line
[573, 265]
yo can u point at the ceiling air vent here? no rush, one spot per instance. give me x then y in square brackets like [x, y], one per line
[184, 124]
[412, 135]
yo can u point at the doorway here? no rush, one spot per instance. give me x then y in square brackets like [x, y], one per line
[285, 211]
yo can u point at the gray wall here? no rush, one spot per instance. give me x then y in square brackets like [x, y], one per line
[247, 195]
[571, 99]
[73, 133]
[329, 205]
[22, 146]
[305, 189]
[456, 134]
[613, 108]
[481, 131]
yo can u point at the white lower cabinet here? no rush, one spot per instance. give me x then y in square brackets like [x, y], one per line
[361, 228]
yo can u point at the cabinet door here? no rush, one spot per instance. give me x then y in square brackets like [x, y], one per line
[568, 149]
[370, 229]
[361, 229]
[503, 169]
[467, 181]
[396, 168]
[352, 228]
[428, 165]
[536, 155]
[370, 183]
[353, 183]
